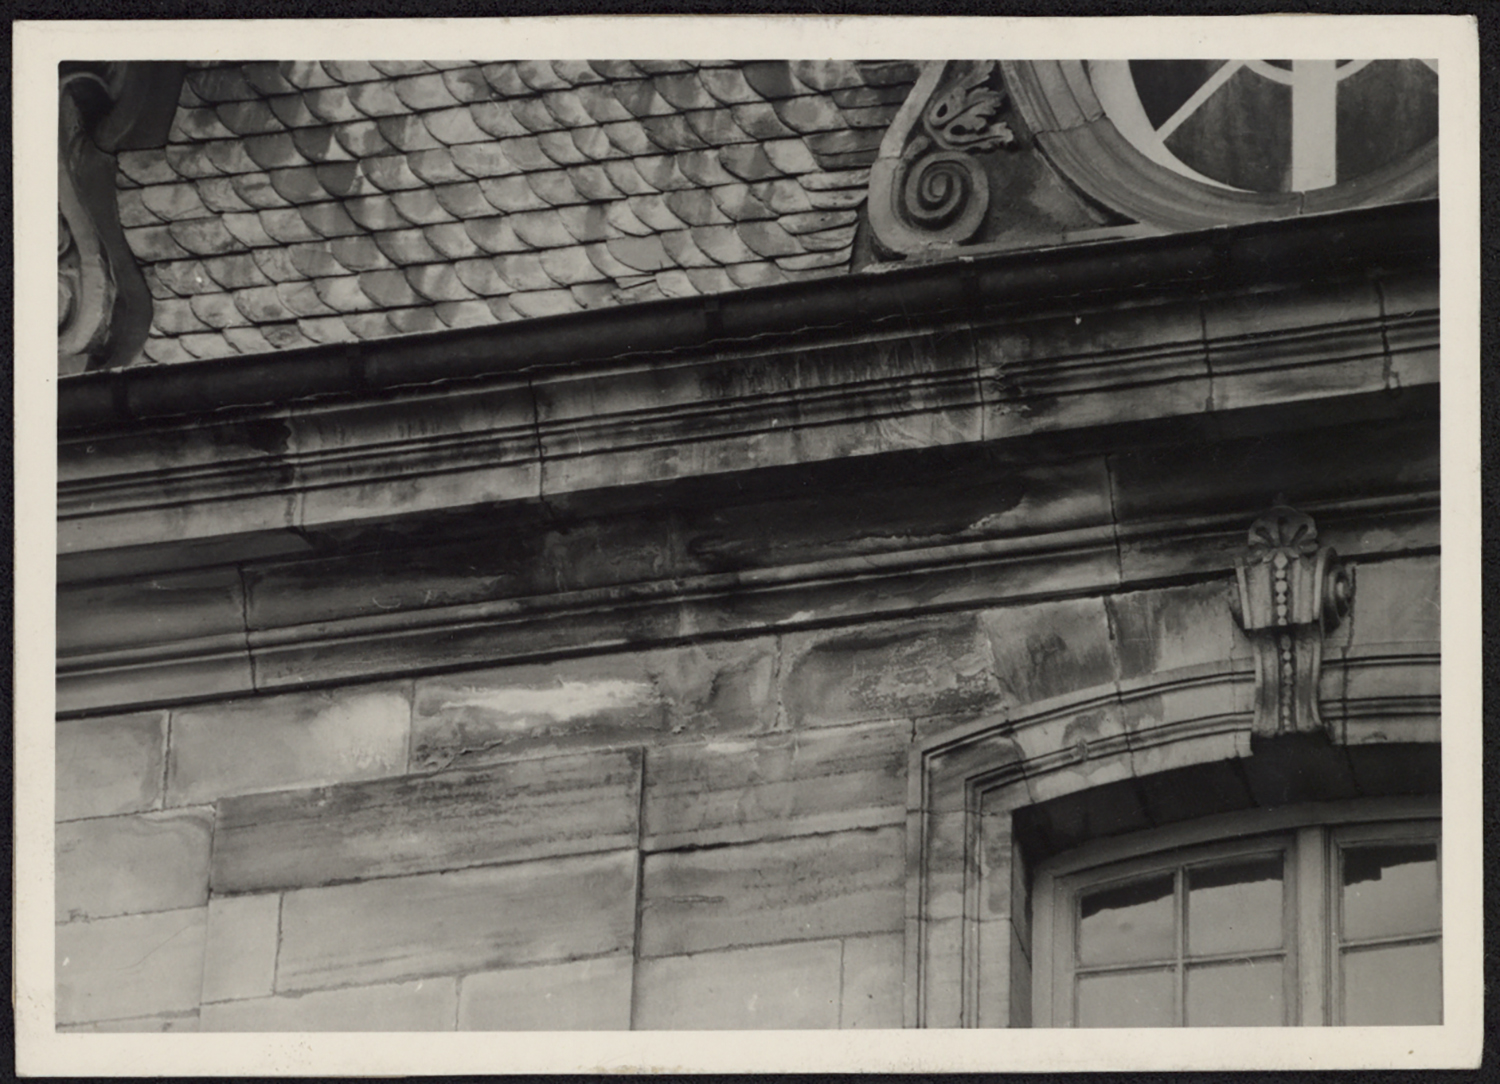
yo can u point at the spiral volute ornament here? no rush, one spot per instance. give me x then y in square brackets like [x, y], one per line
[940, 189]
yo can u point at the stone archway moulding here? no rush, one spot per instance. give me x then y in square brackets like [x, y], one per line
[966, 915]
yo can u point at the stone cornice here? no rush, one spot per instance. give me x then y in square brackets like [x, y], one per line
[907, 381]
[218, 643]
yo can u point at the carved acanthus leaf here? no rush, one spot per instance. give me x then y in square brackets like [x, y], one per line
[962, 115]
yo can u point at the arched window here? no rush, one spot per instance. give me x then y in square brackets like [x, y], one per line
[1147, 804]
[1334, 917]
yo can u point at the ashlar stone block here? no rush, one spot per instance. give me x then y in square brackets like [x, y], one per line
[471, 718]
[777, 987]
[110, 765]
[1172, 627]
[239, 956]
[297, 740]
[131, 966]
[1397, 601]
[1045, 650]
[896, 670]
[797, 783]
[134, 864]
[761, 893]
[483, 919]
[510, 812]
[873, 982]
[584, 995]
[424, 1005]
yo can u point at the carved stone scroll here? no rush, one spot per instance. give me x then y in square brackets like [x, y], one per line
[1292, 593]
[103, 305]
[927, 188]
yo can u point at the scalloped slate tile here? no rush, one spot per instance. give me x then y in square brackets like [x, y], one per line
[217, 311]
[459, 193]
[451, 240]
[205, 237]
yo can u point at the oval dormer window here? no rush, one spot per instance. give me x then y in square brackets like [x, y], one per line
[1184, 144]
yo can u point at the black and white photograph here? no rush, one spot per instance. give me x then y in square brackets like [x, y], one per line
[645, 547]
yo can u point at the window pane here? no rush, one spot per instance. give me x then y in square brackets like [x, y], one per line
[1248, 994]
[1131, 921]
[1390, 888]
[1128, 999]
[1394, 984]
[1235, 907]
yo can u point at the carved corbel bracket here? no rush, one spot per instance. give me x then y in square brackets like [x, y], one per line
[103, 305]
[1292, 593]
[927, 187]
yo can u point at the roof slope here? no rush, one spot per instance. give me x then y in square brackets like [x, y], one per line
[301, 202]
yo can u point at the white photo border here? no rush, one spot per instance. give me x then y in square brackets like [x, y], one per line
[37, 48]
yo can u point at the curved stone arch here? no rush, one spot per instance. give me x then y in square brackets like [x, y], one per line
[967, 924]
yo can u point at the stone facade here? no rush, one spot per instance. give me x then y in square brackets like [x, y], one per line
[732, 673]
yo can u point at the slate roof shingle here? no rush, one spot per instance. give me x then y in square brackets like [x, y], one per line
[300, 202]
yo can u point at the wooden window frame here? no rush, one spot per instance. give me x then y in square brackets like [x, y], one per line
[1309, 834]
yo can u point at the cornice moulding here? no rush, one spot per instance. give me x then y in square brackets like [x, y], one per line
[237, 657]
[447, 447]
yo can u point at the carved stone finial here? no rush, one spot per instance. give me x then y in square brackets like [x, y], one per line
[1292, 593]
[926, 187]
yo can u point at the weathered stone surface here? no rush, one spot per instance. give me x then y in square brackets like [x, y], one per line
[697, 689]
[156, 505]
[423, 1005]
[490, 431]
[110, 765]
[1324, 464]
[133, 864]
[877, 395]
[717, 688]
[507, 813]
[469, 718]
[1092, 368]
[1395, 601]
[896, 503]
[187, 1021]
[1170, 627]
[942, 1000]
[946, 858]
[96, 683]
[585, 995]
[873, 982]
[472, 920]
[743, 789]
[1410, 304]
[167, 607]
[1379, 678]
[1273, 347]
[777, 987]
[132, 966]
[302, 739]
[928, 666]
[759, 893]
[411, 568]
[1050, 648]
[1222, 743]
[239, 954]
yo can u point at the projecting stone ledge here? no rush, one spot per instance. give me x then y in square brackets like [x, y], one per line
[996, 349]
